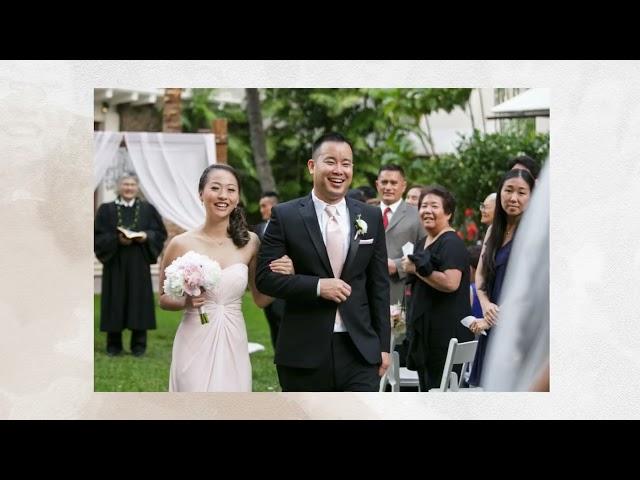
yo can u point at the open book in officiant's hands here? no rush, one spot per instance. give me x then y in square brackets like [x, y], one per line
[130, 233]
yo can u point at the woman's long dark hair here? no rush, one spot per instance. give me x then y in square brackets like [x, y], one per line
[498, 228]
[238, 229]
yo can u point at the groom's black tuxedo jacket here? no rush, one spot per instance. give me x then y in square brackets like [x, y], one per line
[306, 330]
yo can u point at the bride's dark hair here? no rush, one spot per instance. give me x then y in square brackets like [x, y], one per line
[238, 229]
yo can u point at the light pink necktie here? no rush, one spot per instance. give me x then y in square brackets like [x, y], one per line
[335, 246]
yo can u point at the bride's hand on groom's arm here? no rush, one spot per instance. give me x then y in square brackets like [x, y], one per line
[283, 265]
[334, 289]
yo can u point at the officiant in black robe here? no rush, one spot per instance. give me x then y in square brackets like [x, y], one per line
[127, 292]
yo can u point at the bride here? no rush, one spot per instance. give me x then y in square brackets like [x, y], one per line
[215, 357]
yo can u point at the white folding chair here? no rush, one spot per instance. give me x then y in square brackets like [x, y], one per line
[458, 353]
[397, 376]
[408, 378]
[391, 376]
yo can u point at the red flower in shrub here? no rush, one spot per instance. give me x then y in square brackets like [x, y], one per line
[468, 212]
[472, 231]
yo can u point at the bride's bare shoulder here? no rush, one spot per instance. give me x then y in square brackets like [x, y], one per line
[183, 242]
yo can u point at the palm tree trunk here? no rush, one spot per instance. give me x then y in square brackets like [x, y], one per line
[171, 112]
[258, 142]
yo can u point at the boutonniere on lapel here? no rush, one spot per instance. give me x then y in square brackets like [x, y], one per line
[360, 226]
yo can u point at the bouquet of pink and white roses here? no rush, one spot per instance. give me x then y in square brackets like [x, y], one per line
[188, 274]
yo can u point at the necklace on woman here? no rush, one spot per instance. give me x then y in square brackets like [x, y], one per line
[509, 231]
[208, 236]
[217, 240]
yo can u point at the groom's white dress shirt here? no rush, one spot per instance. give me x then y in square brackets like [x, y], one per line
[343, 220]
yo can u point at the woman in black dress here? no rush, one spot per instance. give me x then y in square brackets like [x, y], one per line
[440, 295]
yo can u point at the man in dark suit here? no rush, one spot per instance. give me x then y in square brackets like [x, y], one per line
[335, 333]
[275, 310]
[267, 201]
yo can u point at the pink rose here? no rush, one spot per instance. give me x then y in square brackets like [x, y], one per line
[193, 279]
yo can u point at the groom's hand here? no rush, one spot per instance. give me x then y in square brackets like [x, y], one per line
[385, 364]
[334, 289]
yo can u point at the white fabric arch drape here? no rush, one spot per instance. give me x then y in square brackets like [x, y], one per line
[105, 146]
[169, 166]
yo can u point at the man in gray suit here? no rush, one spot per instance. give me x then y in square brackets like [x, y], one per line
[402, 225]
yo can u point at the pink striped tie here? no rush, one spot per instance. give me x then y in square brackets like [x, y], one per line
[335, 246]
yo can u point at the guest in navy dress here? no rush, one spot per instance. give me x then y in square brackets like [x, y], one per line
[514, 192]
[474, 258]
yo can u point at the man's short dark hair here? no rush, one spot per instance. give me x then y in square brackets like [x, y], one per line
[528, 162]
[269, 194]
[392, 167]
[368, 191]
[357, 194]
[329, 137]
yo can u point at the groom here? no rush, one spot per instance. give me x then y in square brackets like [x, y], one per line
[335, 334]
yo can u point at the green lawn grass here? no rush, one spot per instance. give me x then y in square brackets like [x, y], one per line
[150, 373]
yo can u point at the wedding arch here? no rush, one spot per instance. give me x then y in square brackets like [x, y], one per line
[168, 165]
